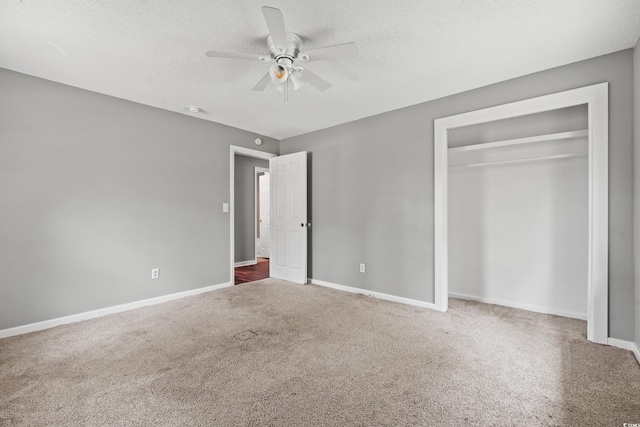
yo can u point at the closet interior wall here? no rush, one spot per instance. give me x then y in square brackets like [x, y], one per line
[518, 212]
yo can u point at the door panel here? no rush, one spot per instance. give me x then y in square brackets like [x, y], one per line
[289, 217]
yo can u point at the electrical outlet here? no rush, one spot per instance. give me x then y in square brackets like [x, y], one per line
[361, 268]
[155, 273]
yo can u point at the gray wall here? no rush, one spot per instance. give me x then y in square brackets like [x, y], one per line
[245, 206]
[97, 191]
[636, 115]
[371, 188]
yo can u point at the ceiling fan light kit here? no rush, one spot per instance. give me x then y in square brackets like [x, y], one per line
[279, 73]
[285, 50]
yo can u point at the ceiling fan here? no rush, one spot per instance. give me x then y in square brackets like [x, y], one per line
[286, 54]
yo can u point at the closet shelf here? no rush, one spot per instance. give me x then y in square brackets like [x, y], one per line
[528, 159]
[528, 140]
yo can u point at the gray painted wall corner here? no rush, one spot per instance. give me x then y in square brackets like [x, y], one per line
[372, 186]
[98, 196]
[95, 197]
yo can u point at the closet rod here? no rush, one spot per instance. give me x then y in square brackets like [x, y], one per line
[528, 140]
[529, 159]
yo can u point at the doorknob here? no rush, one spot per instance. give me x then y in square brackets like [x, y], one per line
[308, 225]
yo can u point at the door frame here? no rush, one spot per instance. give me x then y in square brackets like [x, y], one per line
[242, 151]
[596, 97]
[257, 170]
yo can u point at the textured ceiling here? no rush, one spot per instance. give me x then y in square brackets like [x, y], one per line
[411, 51]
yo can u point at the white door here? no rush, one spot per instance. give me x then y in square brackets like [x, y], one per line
[264, 215]
[289, 217]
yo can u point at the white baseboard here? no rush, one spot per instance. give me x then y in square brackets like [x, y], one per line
[46, 324]
[245, 263]
[378, 295]
[528, 307]
[626, 345]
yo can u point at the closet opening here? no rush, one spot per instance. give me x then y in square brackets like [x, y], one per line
[595, 99]
[518, 217]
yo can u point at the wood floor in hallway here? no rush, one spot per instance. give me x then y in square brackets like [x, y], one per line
[251, 273]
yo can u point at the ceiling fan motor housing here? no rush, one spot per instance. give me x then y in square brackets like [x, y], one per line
[290, 51]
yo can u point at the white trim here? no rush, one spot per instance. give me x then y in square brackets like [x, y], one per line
[32, 327]
[257, 170]
[529, 140]
[596, 97]
[234, 149]
[245, 263]
[527, 159]
[626, 345]
[537, 309]
[378, 295]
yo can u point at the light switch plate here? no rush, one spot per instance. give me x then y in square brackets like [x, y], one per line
[225, 207]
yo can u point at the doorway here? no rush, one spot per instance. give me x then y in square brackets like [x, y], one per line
[287, 214]
[258, 267]
[244, 208]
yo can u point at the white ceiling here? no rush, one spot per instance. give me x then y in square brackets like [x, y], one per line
[411, 51]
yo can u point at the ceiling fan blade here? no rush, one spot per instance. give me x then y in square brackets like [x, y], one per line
[315, 80]
[263, 82]
[338, 51]
[213, 54]
[275, 22]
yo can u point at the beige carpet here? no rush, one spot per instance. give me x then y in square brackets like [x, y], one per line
[274, 353]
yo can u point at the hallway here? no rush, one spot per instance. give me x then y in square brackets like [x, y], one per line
[251, 273]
